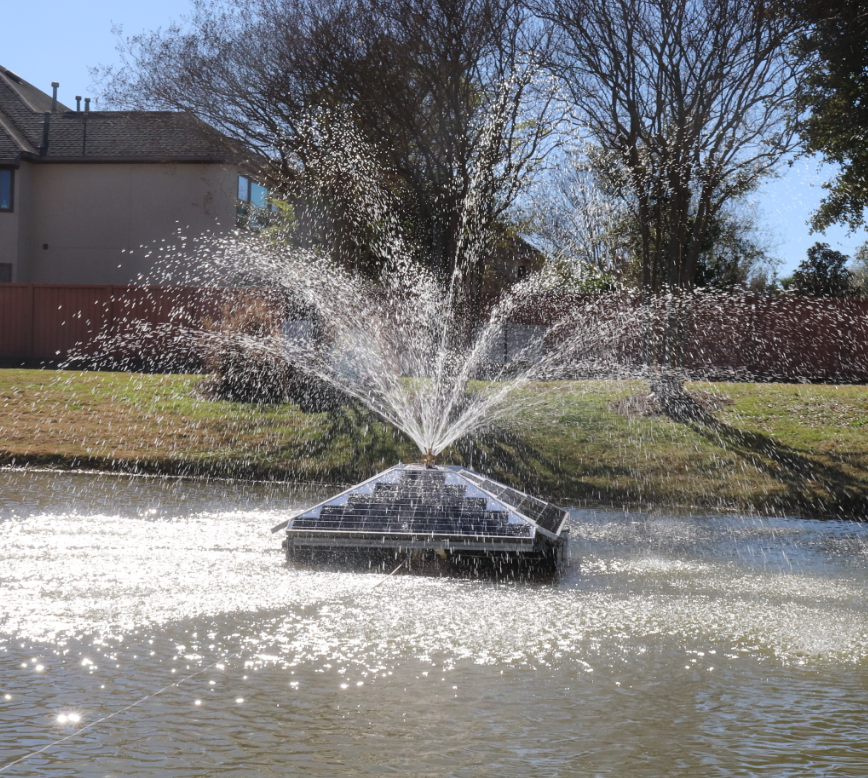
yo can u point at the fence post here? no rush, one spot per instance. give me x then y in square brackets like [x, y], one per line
[31, 320]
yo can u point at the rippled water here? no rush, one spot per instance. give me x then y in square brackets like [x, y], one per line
[672, 646]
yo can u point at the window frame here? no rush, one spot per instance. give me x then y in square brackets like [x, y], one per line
[11, 171]
[247, 213]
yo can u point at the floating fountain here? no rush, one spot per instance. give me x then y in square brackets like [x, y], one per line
[401, 348]
[425, 354]
[397, 354]
[412, 347]
[450, 512]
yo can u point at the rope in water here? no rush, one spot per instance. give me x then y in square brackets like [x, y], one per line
[390, 574]
[116, 713]
[152, 694]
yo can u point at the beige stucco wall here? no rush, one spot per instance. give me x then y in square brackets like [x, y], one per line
[110, 223]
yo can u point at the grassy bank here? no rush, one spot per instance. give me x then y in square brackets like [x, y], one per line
[776, 447]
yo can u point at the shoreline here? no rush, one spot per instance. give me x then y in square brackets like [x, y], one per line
[633, 507]
[774, 449]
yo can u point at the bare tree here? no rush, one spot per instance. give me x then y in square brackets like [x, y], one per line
[580, 226]
[416, 80]
[691, 98]
[592, 237]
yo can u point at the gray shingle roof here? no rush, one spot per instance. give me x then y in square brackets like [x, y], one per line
[9, 149]
[100, 135]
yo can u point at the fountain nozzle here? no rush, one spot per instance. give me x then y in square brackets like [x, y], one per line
[429, 459]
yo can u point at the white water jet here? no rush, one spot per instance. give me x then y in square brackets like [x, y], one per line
[405, 342]
[397, 352]
[418, 350]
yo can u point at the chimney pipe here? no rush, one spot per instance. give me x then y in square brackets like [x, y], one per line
[46, 127]
[78, 103]
[54, 85]
[84, 127]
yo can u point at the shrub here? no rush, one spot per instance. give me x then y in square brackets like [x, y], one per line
[244, 352]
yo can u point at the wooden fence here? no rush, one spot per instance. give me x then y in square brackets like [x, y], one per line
[787, 338]
[769, 338]
[126, 325]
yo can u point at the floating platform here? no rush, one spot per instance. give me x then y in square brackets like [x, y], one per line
[414, 510]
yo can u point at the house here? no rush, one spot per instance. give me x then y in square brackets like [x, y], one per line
[80, 190]
[511, 261]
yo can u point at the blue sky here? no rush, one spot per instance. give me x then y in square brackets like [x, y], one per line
[69, 37]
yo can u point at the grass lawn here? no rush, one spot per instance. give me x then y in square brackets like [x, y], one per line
[777, 447]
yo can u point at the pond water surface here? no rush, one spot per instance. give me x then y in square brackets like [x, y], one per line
[672, 646]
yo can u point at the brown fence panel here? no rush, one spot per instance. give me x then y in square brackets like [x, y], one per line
[149, 325]
[67, 316]
[811, 339]
[720, 336]
[761, 338]
[158, 325]
[852, 338]
[16, 320]
[162, 327]
[742, 337]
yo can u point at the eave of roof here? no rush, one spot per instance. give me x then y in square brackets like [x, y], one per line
[140, 160]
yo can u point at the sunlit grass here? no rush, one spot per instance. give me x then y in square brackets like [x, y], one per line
[776, 447]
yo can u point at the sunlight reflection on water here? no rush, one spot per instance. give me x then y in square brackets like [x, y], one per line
[673, 645]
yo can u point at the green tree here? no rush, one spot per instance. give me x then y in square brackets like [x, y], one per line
[859, 281]
[832, 106]
[823, 273]
[735, 256]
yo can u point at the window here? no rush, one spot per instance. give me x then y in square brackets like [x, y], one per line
[7, 180]
[251, 192]
[252, 203]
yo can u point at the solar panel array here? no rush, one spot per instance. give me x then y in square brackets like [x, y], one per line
[547, 516]
[420, 502]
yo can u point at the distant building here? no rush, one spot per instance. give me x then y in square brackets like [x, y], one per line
[81, 189]
[510, 262]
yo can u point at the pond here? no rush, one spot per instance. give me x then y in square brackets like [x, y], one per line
[159, 614]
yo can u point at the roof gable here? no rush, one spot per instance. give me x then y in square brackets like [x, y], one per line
[32, 97]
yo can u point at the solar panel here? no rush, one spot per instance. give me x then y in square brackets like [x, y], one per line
[546, 516]
[415, 500]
